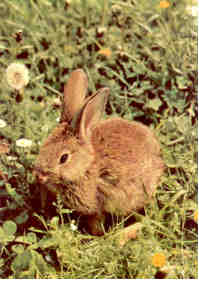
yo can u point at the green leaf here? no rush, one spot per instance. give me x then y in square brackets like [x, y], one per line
[21, 262]
[154, 104]
[183, 123]
[66, 211]
[36, 230]
[1, 263]
[40, 262]
[4, 237]
[2, 234]
[54, 222]
[47, 242]
[30, 238]
[21, 239]
[12, 192]
[181, 82]
[19, 249]
[22, 218]
[9, 227]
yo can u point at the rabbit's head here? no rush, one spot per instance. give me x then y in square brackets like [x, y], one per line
[67, 154]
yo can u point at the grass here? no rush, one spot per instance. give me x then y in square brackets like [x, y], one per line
[146, 53]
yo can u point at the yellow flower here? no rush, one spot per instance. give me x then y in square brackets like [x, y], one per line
[158, 260]
[17, 75]
[195, 216]
[164, 4]
[106, 52]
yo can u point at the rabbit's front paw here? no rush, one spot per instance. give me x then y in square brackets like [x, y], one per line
[95, 225]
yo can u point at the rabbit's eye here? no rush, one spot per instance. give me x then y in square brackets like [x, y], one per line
[64, 158]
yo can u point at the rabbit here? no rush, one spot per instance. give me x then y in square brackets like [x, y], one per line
[98, 166]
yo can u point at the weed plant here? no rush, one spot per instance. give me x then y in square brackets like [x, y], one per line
[146, 53]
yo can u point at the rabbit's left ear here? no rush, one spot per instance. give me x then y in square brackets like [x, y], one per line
[74, 95]
[92, 113]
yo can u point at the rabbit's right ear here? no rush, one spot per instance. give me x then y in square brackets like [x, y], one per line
[74, 95]
[92, 113]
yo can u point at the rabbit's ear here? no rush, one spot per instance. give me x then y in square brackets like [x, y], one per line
[74, 95]
[92, 113]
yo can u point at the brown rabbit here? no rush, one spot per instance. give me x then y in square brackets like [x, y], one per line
[98, 166]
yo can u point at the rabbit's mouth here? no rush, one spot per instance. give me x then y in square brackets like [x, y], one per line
[52, 182]
[45, 178]
[61, 185]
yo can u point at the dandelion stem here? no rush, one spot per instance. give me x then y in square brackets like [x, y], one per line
[53, 90]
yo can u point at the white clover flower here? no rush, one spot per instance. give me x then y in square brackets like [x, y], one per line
[192, 10]
[23, 143]
[101, 29]
[11, 158]
[2, 123]
[73, 227]
[45, 128]
[57, 102]
[48, 258]
[17, 75]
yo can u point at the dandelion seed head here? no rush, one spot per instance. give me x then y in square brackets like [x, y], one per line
[17, 75]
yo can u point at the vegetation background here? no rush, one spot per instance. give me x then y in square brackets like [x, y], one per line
[146, 53]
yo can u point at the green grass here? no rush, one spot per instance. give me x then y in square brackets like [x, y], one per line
[151, 70]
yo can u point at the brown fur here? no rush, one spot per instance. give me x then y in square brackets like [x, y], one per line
[113, 165]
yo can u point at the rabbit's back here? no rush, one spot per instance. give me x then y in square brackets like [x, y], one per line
[128, 155]
[124, 141]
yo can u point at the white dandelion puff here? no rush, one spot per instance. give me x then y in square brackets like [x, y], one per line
[23, 143]
[17, 75]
